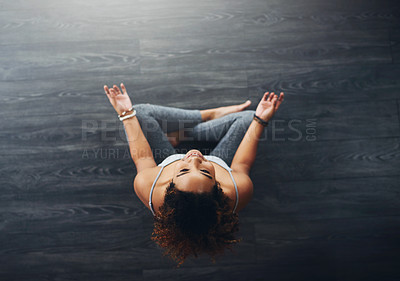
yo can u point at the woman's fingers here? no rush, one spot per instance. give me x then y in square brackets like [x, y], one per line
[117, 90]
[112, 92]
[107, 90]
[123, 89]
[273, 100]
[266, 97]
[280, 100]
[271, 96]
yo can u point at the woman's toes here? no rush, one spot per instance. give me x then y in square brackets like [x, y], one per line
[244, 105]
[173, 142]
[222, 111]
[173, 138]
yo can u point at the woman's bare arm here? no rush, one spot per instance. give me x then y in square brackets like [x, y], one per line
[139, 148]
[247, 150]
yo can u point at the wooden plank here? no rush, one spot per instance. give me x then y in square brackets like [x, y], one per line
[360, 239]
[71, 59]
[135, 20]
[257, 272]
[395, 44]
[256, 49]
[302, 160]
[335, 83]
[350, 198]
[296, 16]
[44, 21]
[315, 48]
[321, 121]
[398, 111]
[64, 97]
[79, 265]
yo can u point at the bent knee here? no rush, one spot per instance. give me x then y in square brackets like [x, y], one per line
[143, 109]
[246, 116]
[142, 106]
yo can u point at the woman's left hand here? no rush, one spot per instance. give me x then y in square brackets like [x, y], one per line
[268, 106]
[119, 100]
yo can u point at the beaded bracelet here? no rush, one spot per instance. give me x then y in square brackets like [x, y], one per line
[127, 116]
[125, 112]
[259, 120]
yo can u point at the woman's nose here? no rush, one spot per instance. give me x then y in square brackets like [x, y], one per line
[195, 160]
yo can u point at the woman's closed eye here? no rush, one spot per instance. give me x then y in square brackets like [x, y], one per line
[185, 171]
[205, 171]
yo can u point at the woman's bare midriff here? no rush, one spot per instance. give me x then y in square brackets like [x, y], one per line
[221, 175]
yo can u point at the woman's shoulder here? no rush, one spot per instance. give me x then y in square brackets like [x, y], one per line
[244, 188]
[143, 182]
[243, 183]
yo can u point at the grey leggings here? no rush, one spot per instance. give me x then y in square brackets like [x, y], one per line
[228, 131]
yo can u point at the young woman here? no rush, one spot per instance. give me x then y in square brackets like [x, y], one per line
[194, 198]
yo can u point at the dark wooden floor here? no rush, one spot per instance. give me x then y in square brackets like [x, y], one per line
[326, 202]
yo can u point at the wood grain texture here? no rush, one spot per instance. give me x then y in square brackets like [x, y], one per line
[70, 59]
[326, 177]
[62, 96]
[295, 160]
[343, 83]
[320, 121]
[291, 15]
[395, 45]
[257, 49]
[347, 198]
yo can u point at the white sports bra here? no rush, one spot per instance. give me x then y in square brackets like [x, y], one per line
[176, 157]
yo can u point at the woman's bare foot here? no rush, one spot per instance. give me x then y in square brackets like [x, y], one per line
[173, 138]
[215, 113]
[210, 114]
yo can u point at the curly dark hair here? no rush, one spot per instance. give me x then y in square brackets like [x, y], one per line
[193, 223]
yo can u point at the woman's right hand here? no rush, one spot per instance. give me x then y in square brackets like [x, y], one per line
[119, 100]
[268, 106]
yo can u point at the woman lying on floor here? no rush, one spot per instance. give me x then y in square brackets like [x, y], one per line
[194, 198]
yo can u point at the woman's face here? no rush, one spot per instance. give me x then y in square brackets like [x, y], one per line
[194, 173]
